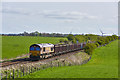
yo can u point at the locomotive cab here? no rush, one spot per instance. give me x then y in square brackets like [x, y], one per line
[41, 50]
[34, 50]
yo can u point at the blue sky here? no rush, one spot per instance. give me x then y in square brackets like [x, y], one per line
[60, 17]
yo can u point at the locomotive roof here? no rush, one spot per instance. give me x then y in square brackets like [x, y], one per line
[44, 45]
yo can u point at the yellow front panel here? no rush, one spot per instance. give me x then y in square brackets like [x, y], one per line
[34, 53]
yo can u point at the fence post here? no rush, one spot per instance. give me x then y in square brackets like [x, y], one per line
[13, 74]
[23, 71]
[38, 67]
[51, 63]
[58, 63]
[26, 70]
[20, 71]
[17, 73]
[10, 74]
[35, 68]
[29, 69]
[1, 75]
[64, 62]
[43, 66]
[20, 74]
[6, 75]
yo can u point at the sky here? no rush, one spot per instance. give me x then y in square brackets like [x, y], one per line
[60, 17]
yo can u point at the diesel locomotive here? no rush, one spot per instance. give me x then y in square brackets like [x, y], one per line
[45, 50]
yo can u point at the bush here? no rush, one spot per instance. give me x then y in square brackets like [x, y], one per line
[74, 41]
[106, 40]
[89, 48]
[61, 40]
[70, 37]
[114, 37]
[97, 44]
[103, 40]
[66, 41]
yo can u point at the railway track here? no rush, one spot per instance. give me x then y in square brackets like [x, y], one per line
[28, 60]
[16, 61]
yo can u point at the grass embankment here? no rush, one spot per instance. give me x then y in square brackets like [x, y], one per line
[104, 64]
[13, 46]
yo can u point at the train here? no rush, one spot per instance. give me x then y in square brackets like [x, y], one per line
[46, 50]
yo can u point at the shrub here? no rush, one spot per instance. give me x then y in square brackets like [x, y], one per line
[61, 40]
[106, 40]
[103, 40]
[114, 37]
[70, 37]
[66, 41]
[89, 48]
[97, 44]
[74, 41]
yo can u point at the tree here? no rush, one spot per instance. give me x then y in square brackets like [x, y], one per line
[70, 37]
[25, 33]
[114, 36]
[36, 33]
[61, 40]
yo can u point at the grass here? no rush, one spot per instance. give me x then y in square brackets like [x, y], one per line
[13, 46]
[104, 64]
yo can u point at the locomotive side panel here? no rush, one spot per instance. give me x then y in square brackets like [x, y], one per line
[47, 50]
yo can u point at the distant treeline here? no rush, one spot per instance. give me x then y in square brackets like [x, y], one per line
[36, 33]
[90, 38]
[80, 38]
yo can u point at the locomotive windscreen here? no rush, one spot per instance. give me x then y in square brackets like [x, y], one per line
[37, 48]
[34, 48]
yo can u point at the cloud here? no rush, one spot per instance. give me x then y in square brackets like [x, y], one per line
[113, 19]
[15, 11]
[73, 15]
[67, 16]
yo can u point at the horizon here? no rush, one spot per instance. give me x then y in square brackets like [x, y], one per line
[62, 33]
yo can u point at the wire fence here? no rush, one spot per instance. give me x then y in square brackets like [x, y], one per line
[26, 70]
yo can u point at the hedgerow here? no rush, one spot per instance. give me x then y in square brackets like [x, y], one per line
[100, 42]
[90, 47]
[92, 40]
[96, 44]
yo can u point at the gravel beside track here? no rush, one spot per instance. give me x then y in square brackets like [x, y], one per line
[28, 60]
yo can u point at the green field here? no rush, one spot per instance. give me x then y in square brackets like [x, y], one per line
[104, 64]
[13, 46]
